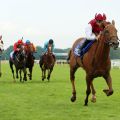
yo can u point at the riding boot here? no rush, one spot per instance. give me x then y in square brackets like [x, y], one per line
[14, 54]
[84, 44]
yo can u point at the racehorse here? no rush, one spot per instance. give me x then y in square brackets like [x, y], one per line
[48, 62]
[29, 59]
[96, 62]
[19, 62]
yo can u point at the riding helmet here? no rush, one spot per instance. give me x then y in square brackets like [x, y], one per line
[50, 41]
[27, 42]
[20, 41]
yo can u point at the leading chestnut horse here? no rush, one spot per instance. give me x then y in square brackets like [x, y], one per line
[96, 62]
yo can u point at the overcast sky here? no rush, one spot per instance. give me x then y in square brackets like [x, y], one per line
[62, 20]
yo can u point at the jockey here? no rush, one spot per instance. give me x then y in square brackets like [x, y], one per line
[93, 29]
[46, 44]
[1, 44]
[16, 47]
[28, 43]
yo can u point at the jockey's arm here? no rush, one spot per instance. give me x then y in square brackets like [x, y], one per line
[89, 34]
[15, 48]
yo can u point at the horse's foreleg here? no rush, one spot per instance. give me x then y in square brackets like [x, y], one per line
[30, 76]
[48, 76]
[11, 66]
[25, 74]
[109, 83]
[20, 75]
[42, 74]
[49, 73]
[17, 73]
[88, 91]
[72, 78]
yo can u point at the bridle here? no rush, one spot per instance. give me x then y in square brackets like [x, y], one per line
[110, 40]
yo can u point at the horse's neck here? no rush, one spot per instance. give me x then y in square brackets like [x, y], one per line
[49, 48]
[102, 52]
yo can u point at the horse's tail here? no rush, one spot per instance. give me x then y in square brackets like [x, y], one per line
[69, 54]
[11, 65]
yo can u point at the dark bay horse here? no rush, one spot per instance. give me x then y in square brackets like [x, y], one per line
[96, 62]
[48, 62]
[29, 50]
[19, 62]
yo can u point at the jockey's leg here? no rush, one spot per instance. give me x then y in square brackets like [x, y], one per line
[14, 54]
[84, 44]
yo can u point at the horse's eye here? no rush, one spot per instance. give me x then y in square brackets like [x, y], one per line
[106, 32]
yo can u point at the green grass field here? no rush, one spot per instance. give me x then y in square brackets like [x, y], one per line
[37, 100]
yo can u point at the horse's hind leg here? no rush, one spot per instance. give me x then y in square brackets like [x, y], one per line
[20, 75]
[30, 76]
[109, 83]
[17, 73]
[11, 66]
[25, 74]
[72, 78]
[93, 99]
[49, 73]
[88, 91]
[43, 74]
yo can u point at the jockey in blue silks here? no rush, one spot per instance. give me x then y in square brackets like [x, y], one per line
[46, 44]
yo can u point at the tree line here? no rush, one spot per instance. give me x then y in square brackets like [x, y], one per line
[114, 54]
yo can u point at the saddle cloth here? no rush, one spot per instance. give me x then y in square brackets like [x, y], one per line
[11, 55]
[79, 52]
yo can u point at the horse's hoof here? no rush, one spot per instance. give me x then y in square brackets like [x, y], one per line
[48, 78]
[24, 79]
[93, 99]
[85, 104]
[42, 79]
[0, 74]
[108, 92]
[73, 99]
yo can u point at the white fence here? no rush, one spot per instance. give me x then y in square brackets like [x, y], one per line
[115, 63]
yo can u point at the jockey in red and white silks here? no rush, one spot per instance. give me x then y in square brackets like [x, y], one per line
[94, 27]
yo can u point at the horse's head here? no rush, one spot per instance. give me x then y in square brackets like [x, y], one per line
[29, 48]
[110, 34]
[49, 49]
[21, 54]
